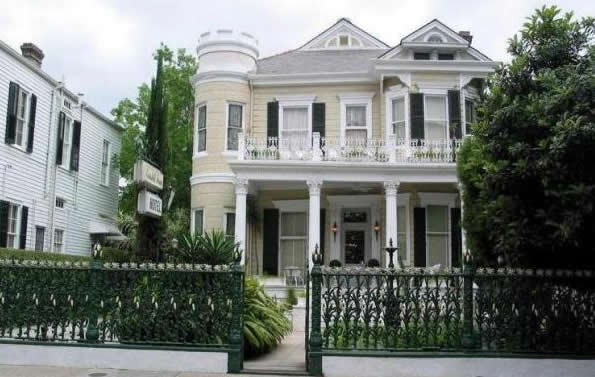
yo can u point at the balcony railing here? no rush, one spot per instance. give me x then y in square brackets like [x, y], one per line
[316, 148]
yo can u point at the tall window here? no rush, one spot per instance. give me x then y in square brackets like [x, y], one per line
[67, 143]
[201, 135]
[230, 225]
[437, 235]
[198, 221]
[435, 117]
[234, 125]
[469, 115]
[105, 163]
[293, 240]
[355, 122]
[39, 238]
[13, 224]
[295, 123]
[58, 241]
[398, 119]
[402, 231]
[22, 110]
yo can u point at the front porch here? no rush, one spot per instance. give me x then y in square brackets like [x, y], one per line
[350, 213]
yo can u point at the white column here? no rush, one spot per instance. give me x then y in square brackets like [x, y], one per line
[390, 189]
[240, 229]
[463, 235]
[314, 186]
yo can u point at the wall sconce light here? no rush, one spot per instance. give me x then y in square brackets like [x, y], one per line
[334, 230]
[376, 229]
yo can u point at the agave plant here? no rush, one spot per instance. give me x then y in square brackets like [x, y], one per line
[211, 248]
[265, 323]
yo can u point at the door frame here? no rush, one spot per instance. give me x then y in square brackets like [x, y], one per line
[366, 227]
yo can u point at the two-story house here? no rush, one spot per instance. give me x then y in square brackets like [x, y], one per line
[344, 142]
[58, 182]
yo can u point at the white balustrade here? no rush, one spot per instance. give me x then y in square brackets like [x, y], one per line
[317, 148]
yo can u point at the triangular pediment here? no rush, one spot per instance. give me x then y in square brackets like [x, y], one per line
[434, 32]
[344, 35]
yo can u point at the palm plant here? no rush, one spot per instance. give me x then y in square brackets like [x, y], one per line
[211, 248]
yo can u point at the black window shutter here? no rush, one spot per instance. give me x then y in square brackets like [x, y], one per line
[270, 241]
[416, 104]
[23, 235]
[455, 237]
[318, 118]
[32, 111]
[60, 138]
[419, 236]
[322, 233]
[11, 114]
[454, 114]
[3, 223]
[273, 119]
[76, 146]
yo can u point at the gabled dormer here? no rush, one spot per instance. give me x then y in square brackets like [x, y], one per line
[343, 35]
[435, 41]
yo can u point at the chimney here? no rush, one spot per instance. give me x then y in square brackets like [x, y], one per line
[32, 53]
[466, 35]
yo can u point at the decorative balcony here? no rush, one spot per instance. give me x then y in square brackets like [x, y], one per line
[316, 148]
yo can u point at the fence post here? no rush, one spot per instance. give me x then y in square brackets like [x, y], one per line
[234, 359]
[467, 301]
[95, 267]
[315, 346]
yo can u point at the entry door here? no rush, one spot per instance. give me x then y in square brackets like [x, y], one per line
[356, 236]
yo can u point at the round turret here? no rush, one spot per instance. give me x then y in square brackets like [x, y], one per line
[227, 50]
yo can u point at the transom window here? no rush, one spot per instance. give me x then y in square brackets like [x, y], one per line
[293, 240]
[470, 116]
[435, 117]
[295, 122]
[437, 235]
[398, 118]
[58, 241]
[105, 163]
[234, 125]
[13, 226]
[22, 113]
[201, 136]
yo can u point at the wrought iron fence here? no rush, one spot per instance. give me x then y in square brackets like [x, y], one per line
[148, 304]
[505, 311]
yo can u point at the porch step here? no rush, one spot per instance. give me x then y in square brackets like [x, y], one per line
[276, 372]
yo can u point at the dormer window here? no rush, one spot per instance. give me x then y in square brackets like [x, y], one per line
[435, 39]
[344, 41]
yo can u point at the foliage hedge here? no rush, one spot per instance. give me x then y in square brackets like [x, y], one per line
[109, 255]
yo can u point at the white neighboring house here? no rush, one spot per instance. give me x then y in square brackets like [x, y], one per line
[58, 185]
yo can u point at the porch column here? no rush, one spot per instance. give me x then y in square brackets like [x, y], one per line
[390, 189]
[463, 235]
[314, 186]
[240, 217]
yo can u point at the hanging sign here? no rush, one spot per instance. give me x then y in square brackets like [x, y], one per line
[149, 204]
[148, 176]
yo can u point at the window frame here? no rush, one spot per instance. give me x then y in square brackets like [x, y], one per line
[295, 101]
[443, 95]
[467, 123]
[356, 99]
[193, 220]
[291, 238]
[226, 213]
[228, 126]
[393, 93]
[57, 199]
[197, 152]
[67, 142]
[23, 120]
[105, 180]
[439, 199]
[62, 242]
[17, 226]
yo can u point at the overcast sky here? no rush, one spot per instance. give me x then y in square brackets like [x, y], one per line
[103, 48]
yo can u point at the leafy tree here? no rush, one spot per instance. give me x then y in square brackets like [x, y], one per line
[529, 182]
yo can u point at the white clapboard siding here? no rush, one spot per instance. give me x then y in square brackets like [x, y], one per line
[27, 178]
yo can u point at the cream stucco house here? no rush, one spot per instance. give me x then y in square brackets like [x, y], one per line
[344, 142]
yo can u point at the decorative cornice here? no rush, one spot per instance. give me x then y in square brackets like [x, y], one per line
[212, 178]
[213, 76]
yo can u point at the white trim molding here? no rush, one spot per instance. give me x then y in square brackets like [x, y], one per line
[213, 178]
[437, 198]
[358, 98]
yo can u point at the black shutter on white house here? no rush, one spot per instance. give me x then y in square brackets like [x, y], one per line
[322, 234]
[273, 119]
[76, 146]
[416, 104]
[11, 114]
[270, 241]
[318, 118]
[419, 237]
[32, 111]
[454, 114]
[23, 235]
[4, 223]
[456, 245]
[60, 138]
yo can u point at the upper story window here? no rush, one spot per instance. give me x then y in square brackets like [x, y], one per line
[105, 163]
[470, 116]
[67, 143]
[67, 104]
[344, 41]
[295, 122]
[22, 112]
[399, 123]
[60, 202]
[356, 127]
[20, 120]
[234, 125]
[446, 57]
[435, 117]
[421, 56]
[201, 134]
[356, 116]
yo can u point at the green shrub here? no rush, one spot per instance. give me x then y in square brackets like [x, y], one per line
[292, 296]
[112, 254]
[265, 323]
[19, 254]
[211, 248]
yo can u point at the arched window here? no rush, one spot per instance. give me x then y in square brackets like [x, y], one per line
[435, 38]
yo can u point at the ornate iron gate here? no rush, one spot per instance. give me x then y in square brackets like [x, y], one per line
[307, 327]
